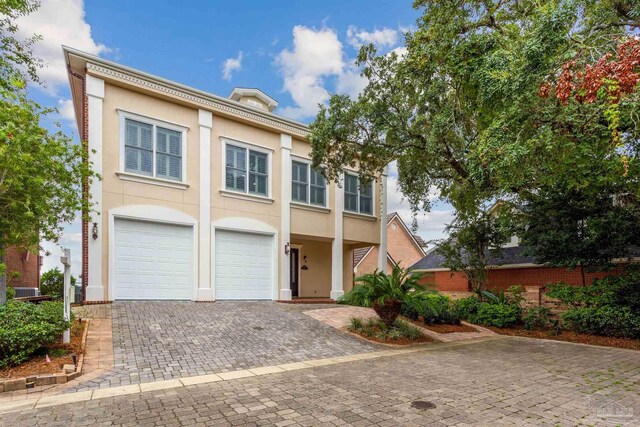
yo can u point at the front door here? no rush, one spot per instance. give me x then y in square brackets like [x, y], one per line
[295, 280]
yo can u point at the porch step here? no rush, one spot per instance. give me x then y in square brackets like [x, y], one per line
[308, 301]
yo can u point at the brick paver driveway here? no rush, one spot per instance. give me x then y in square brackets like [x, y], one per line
[507, 381]
[163, 340]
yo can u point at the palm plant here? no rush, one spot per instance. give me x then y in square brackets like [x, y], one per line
[386, 293]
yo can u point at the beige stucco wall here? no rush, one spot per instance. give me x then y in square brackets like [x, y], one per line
[316, 281]
[314, 223]
[117, 192]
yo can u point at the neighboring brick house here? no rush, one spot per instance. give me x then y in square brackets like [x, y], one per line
[403, 248]
[23, 268]
[512, 267]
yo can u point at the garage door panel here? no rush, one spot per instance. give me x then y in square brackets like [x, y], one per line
[153, 260]
[243, 265]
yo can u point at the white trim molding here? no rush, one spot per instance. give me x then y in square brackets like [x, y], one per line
[245, 225]
[151, 213]
[95, 98]
[337, 248]
[285, 215]
[205, 120]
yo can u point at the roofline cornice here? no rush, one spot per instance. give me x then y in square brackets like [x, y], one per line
[216, 103]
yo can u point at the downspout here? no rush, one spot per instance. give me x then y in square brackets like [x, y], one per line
[85, 186]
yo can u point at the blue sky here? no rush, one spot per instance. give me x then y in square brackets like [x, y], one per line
[298, 52]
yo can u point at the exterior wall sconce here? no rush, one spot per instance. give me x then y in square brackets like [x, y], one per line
[287, 248]
[94, 231]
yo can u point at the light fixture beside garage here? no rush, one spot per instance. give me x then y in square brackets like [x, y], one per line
[94, 231]
[287, 248]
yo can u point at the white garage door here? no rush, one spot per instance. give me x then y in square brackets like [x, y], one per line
[243, 265]
[153, 260]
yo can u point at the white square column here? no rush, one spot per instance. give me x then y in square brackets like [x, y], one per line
[95, 98]
[285, 215]
[382, 248]
[337, 248]
[205, 291]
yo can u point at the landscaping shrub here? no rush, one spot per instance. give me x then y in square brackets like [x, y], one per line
[618, 291]
[26, 328]
[409, 311]
[536, 317]
[439, 309]
[498, 315]
[11, 293]
[376, 328]
[468, 308]
[610, 321]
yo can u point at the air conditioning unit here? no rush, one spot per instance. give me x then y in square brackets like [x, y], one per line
[27, 292]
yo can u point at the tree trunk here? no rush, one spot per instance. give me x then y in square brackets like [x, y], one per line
[388, 312]
[3, 282]
[584, 280]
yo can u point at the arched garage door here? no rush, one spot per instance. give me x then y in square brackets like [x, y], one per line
[243, 265]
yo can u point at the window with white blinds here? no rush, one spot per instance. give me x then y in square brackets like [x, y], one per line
[358, 196]
[308, 184]
[153, 150]
[246, 170]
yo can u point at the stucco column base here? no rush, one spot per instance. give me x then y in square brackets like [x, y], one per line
[285, 294]
[205, 294]
[95, 293]
[336, 294]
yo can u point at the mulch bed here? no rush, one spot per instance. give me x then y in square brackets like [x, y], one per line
[570, 336]
[402, 341]
[441, 329]
[38, 365]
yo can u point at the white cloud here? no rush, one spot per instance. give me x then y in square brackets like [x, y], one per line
[66, 110]
[386, 37]
[231, 65]
[316, 54]
[59, 22]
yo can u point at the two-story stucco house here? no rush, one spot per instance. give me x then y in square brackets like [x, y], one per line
[210, 198]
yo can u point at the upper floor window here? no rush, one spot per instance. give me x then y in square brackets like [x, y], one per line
[247, 170]
[153, 149]
[358, 197]
[308, 184]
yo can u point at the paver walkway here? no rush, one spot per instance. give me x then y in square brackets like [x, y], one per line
[155, 341]
[504, 381]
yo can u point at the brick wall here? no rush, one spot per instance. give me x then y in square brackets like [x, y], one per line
[23, 268]
[538, 276]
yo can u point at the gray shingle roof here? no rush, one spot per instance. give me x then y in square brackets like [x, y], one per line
[513, 255]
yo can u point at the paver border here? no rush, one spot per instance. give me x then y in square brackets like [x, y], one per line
[62, 399]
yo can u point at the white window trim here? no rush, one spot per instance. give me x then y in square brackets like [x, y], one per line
[124, 174]
[247, 146]
[373, 197]
[308, 162]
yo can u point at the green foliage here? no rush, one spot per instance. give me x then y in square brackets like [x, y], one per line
[615, 291]
[536, 317]
[378, 287]
[498, 315]
[11, 293]
[52, 283]
[41, 171]
[474, 240]
[581, 228]
[26, 328]
[606, 320]
[463, 111]
[468, 308]
[439, 309]
[375, 328]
